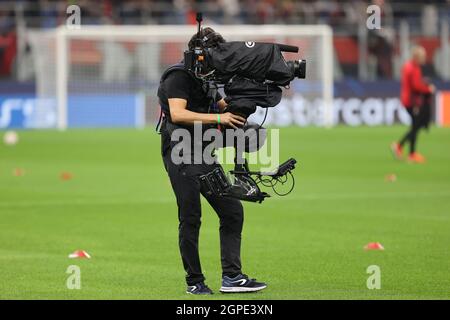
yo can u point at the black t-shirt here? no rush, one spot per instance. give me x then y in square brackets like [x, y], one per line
[179, 84]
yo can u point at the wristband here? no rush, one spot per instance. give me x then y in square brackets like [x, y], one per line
[218, 118]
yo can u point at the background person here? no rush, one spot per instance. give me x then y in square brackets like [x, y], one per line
[416, 98]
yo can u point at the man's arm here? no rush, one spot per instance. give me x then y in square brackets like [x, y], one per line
[180, 114]
[418, 84]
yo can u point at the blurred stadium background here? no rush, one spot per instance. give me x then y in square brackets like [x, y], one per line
[45, 82]
[103, 188]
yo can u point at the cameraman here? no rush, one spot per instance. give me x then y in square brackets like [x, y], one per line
[184, 102]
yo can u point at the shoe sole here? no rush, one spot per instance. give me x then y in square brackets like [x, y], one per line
[240, 289]
[199, 294]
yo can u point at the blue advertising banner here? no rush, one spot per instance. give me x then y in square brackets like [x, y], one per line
[94, 111]
[26, 112]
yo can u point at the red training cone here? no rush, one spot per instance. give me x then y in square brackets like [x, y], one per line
[18, 172]
[79, 254]
[66, 176]
[390, 177]
[374, 246]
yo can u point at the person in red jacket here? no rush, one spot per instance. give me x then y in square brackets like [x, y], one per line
[415, 97]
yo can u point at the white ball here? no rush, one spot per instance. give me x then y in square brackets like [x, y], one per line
[10, 138]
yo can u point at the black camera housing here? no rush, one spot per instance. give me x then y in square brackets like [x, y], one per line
[257, 61]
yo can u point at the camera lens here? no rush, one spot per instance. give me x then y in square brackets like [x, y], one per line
[298, 68]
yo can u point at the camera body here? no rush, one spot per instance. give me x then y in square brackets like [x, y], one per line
[258, 61]
[251, 73]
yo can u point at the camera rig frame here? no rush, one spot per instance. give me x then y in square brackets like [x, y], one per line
[247, 184]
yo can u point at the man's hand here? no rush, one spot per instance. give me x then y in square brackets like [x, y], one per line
[432, 88]
[232, 120]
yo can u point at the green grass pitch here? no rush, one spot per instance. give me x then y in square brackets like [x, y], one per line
[120, 208]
